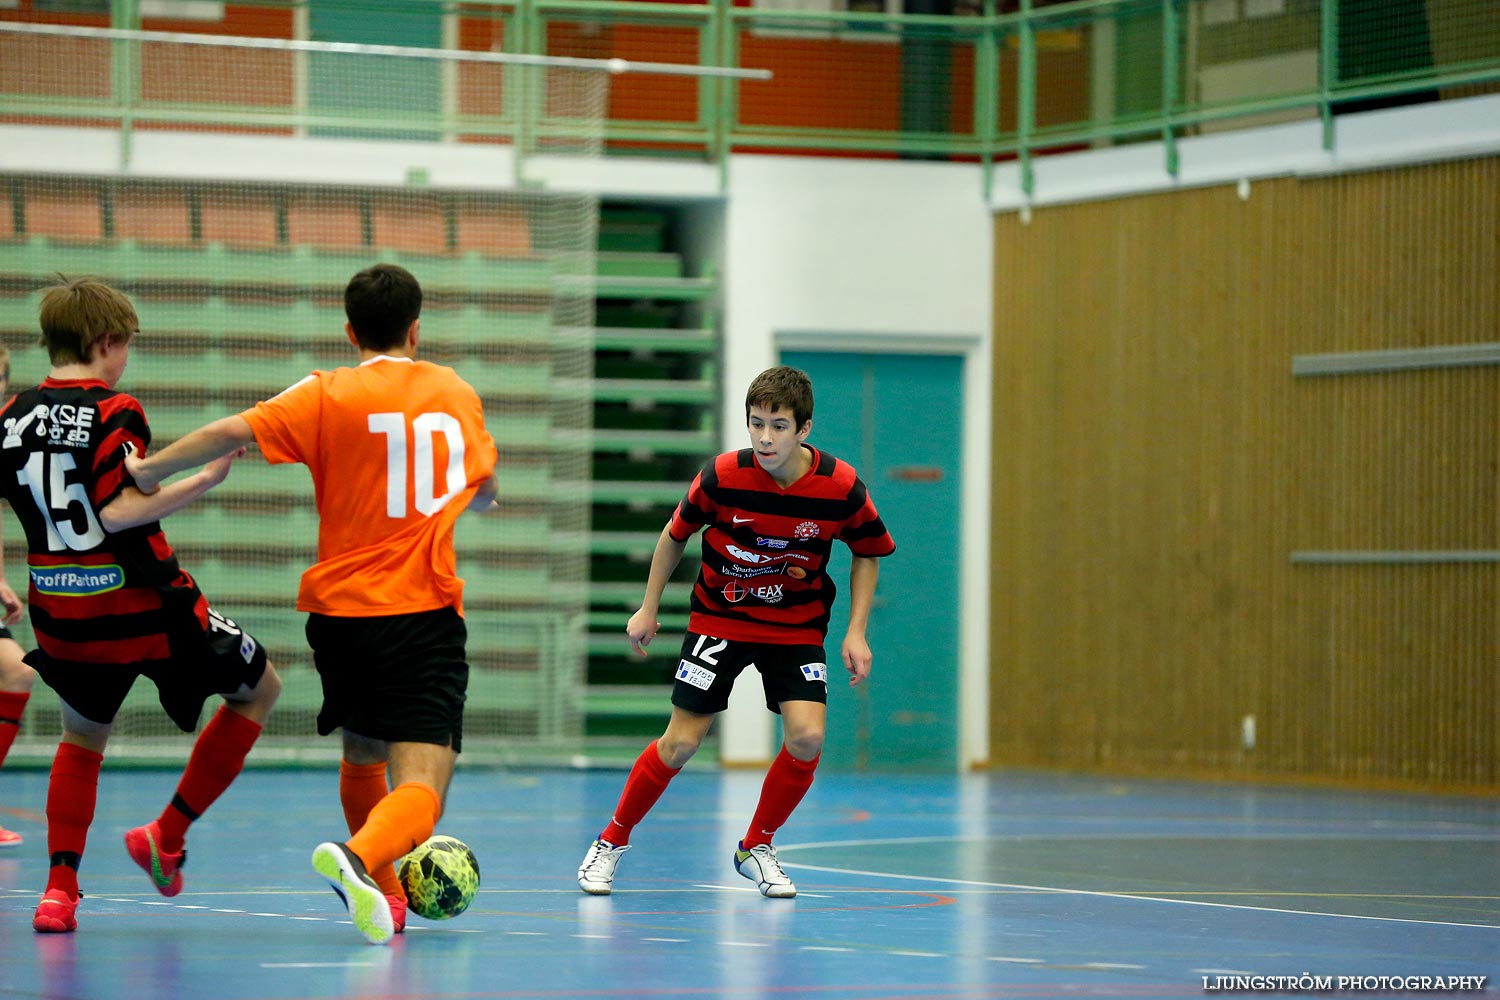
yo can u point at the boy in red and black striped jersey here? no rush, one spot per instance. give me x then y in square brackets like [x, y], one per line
[770, 514]
[109, 602]
[16, 678]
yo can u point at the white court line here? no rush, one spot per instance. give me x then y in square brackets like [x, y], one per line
[1016, 961]
[667, 940]
[821, 947]
[746, 888]
[1095, 893]
[1443, 831]
[316, 965]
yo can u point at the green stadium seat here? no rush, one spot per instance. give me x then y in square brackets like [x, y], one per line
[637, 492]
[702, 391]
[632, 230]
[693, 342]
[676, 596]
[638, 265]
[695, 442]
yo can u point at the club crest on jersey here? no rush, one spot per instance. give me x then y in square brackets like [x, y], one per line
[76, 581]
[815, 672]
[61, 423]
[806, 530]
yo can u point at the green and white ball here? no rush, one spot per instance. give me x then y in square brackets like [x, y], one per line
[441, 878]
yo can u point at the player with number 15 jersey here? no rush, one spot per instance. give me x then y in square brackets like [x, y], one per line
[60, 462]
[109, 602]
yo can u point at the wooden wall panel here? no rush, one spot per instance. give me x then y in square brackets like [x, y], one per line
[1156, 465]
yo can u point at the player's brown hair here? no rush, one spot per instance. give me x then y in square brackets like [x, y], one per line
[782, 388]
[78, 313]
[381, 303]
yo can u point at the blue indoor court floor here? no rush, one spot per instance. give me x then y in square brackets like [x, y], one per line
[954, 888]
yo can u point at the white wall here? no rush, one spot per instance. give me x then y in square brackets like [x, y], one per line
[867, 255]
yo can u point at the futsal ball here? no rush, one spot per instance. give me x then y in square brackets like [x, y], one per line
[441, 878]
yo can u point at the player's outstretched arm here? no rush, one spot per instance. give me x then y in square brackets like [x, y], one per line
[484, 497]
[133, 508]
[643, 625]
[222, 437]
[863, 572]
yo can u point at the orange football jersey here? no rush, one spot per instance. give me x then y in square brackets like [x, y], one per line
[397, 449]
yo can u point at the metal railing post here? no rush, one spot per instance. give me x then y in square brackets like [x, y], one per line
[726, 92]
[125, 72]
[1026, 97]
[1171, 67]
[1328, 77]
[987, 94]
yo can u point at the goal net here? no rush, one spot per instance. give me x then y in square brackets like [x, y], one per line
[232, 187]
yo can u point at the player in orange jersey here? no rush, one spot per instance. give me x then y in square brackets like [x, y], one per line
[397, 450]
[16, 678]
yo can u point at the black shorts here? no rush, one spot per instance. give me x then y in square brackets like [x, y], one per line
[5, 633]
[218, 660]
[708, 667]
[397, 678]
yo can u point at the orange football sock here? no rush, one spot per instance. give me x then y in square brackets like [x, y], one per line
[399, 822]
[361, 787]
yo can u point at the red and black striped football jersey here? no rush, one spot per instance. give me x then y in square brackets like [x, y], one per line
[764, 576]
[94, 597]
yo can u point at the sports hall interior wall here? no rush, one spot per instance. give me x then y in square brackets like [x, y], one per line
[1157, 465]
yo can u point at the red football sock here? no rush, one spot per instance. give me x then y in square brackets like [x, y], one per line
[786, 782]
[399, 822]
[648, 779]
[217, 758]
[12, 704]
[361, 787]
[71, 794]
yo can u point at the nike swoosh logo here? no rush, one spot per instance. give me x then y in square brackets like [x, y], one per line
[157, 875]
[743, 520]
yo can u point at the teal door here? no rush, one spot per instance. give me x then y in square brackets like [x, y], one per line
[898, 418]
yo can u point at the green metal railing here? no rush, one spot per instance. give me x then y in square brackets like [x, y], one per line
[996, 85]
